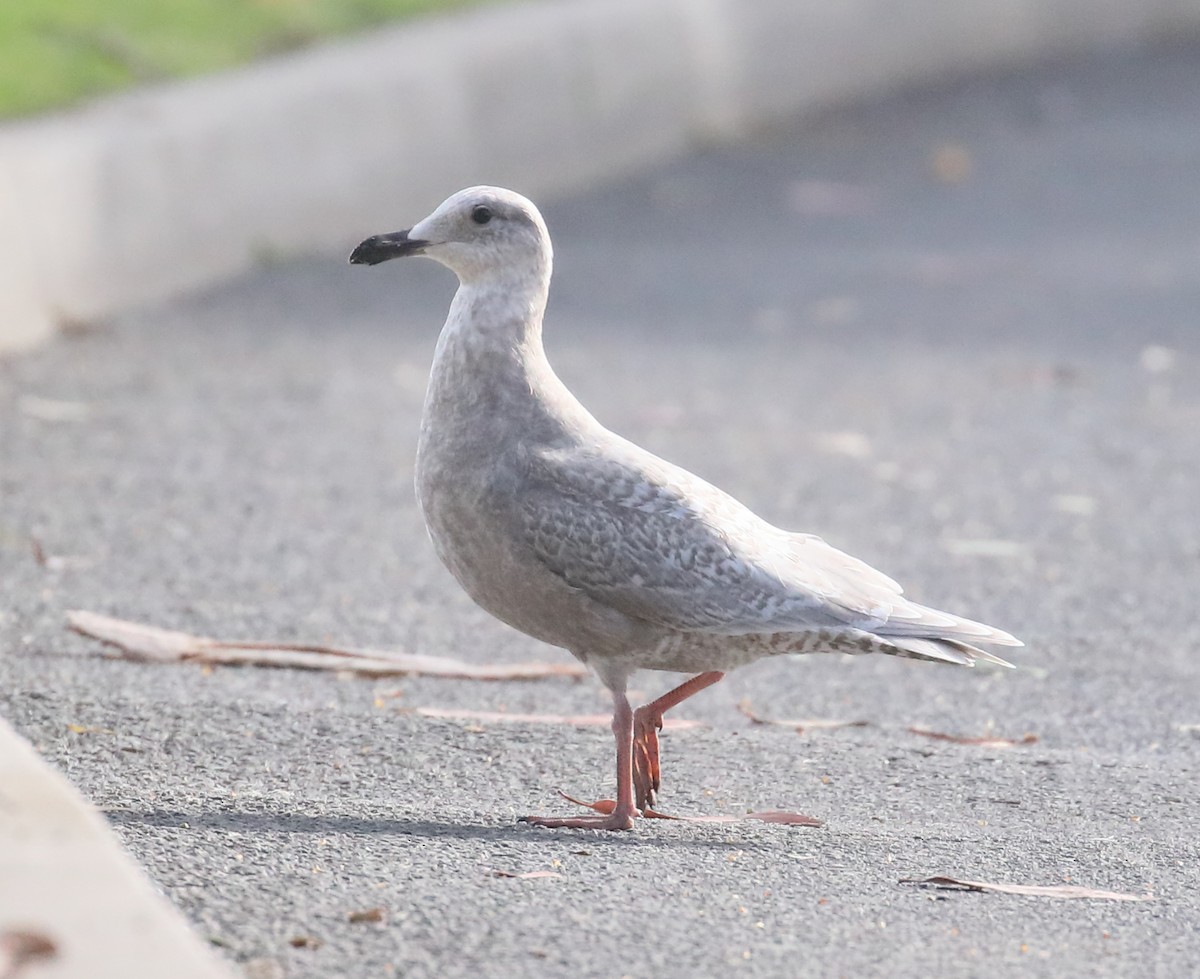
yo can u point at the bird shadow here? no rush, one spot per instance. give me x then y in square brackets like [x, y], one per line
[288, 824]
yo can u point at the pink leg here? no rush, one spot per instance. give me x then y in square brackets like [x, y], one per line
[624, 812]
[647, 722]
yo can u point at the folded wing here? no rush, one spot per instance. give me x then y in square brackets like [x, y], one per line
[659, 544]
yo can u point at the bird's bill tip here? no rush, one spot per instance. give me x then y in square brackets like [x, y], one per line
[381, 248]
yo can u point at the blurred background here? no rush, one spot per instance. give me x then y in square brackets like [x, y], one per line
[60, 53]
[296, 122]
[920, 278]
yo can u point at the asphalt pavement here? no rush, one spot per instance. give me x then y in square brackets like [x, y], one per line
[954, 332]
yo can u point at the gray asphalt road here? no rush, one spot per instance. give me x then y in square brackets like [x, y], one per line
[954, 332]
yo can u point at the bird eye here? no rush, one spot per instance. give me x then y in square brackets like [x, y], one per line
[481, 214]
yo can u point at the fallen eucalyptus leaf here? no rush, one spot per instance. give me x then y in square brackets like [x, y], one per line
[82, 729]
[150, 644]
[606, 806]
[305, 941]
[983, 742]
[1067, 891]
[800, 726]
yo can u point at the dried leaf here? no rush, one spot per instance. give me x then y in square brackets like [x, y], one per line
[785, 818]
[800, 726]
[55, 562]
[17, 948]
[369, 915]
[984, 742]
[143, 643]
[780, 816]
[305, 941]
[577, 720]
[81, 729]
[528, 875]
[606, 806]
[602, 806]
[1068, 891]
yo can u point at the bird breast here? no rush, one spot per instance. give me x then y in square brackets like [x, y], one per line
[480, 417]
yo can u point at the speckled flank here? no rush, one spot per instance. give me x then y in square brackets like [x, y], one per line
[693, 652]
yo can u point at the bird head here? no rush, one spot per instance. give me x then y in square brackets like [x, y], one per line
[478, 233]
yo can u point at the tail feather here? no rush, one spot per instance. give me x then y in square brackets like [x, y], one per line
[942, 649]
[920, 622]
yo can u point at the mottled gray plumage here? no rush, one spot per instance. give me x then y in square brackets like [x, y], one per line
[577, 536]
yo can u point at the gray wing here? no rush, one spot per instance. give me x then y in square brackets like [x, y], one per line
[655, 542]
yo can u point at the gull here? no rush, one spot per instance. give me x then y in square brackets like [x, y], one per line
[582, 539]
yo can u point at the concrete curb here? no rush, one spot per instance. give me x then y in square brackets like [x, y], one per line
[164, 189]
[63, 875]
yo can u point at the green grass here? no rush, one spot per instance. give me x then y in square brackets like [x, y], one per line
[56, 53]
